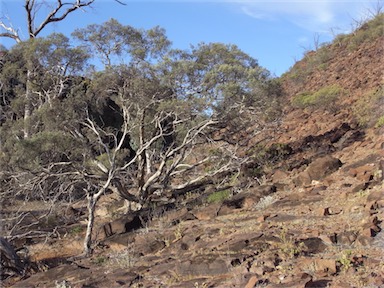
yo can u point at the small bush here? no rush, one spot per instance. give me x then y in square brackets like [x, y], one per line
[76, 230]
[368, 109]
[218, 196]
[368, 31]
[380, 122]
[325, 98]
[100, 260]
[265, 202]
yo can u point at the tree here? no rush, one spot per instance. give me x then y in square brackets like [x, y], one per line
[117, 43]
[33, 9]
[228, 83]
[144, 127]
[164, 127]
[56, 75]
[155, 170]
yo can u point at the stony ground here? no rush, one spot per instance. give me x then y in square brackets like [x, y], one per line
[315, 220]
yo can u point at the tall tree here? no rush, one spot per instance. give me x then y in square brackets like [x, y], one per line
[115, 43]
[226, 81]
[49, 13]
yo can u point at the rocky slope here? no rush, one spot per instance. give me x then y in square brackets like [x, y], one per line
[315, 220]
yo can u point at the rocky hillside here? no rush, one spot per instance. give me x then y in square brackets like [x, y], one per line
[309, 214]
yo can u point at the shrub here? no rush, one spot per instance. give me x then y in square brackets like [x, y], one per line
[368, 31]
[43, 148]
[263, 158]
[380, 122]
[368, 108]
[218, 196]
[265, 202]
[325, 98]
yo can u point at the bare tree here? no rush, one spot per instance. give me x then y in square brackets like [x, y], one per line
[316, 41]
[376, 9]
[179, 168]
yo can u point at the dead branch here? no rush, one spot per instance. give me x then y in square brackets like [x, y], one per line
[57, 14]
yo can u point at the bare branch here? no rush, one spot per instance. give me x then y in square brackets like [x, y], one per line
[53, 16]
[12, 33]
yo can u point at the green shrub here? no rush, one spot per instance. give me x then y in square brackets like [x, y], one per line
[367, 32]
[380, 122]
[76, 230]
[325, 98]
[368, 108]
[218, 196]
[43, 148]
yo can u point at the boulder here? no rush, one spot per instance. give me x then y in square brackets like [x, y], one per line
[318, 170]
[322, 167]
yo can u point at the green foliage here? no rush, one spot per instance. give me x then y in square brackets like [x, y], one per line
[76, 230]
[100, 260]
[325, 98]
[219, 196]
[368, 108]
[112, 40]
[288, 246]
[224, 79]
[263, 158]
[159, 88]
[41, 149]
[380, 122]
[345, 260]
[366, 31]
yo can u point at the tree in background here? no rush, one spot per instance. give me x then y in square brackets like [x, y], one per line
[231, 83]
[55, 13]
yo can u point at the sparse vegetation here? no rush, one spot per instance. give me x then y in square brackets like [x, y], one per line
[325, 98]
[76, 230]
[219, 196]
[262, 158]
[265, 202]
[288, 245]
[345, 260]
[380, 122]
[100, 260]
[366, 31]
[123, 259]
[368, 108]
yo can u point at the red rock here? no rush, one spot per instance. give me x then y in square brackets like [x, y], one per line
[363, 173]
[252, 282]
[207, 212]
[325, 266]
[303, 179]
[326, 239]
[317, 170]
[322, 167]
[347, 237]
[279, 176]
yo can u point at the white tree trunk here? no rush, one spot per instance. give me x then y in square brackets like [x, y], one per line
[28, 106]
[91, 221]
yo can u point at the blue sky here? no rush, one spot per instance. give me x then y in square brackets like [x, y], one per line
[276, 33]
